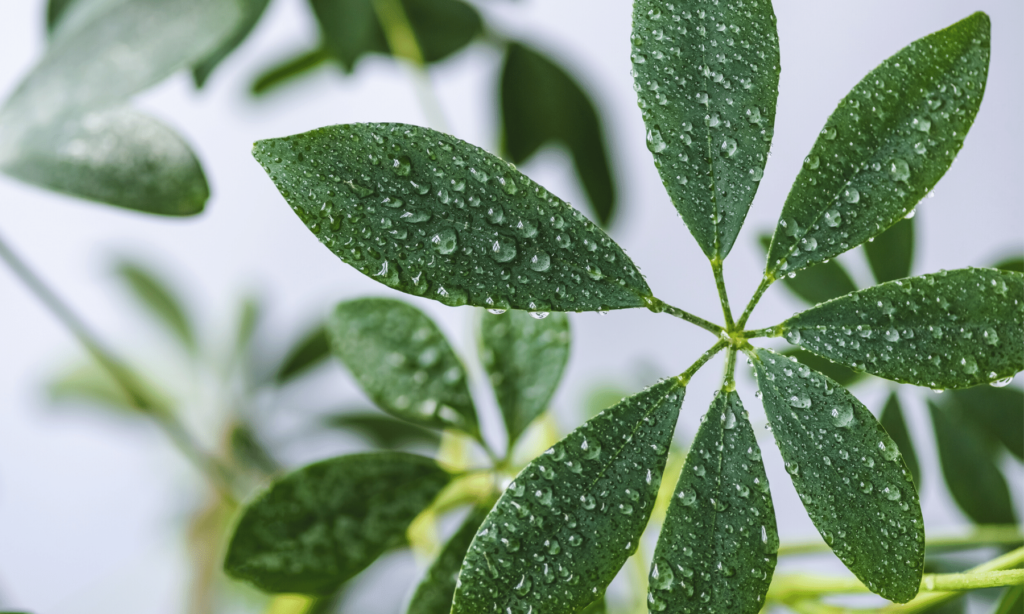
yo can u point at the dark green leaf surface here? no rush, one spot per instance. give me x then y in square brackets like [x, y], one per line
[951, 329]
[435, 592]
[382, 430]
[843, 375]
[974, 480]
[565, 526]
[998, 412]
[1011, 264]
[1012, 601]
[718, 546]
[541, 103]
[885, 147]
[55, 9]
[160, 300]
[849, 475]
[434, 216]
[893, 423]
[252, 10]
[524, 358]
[820, 283]
[403, 362]
[321, 525]
[598, 607]
[311, 350]
[707, 79]
[119, 157]
[891, 254]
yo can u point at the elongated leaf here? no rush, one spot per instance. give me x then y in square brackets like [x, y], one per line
[848, 473]
[403, 362]
[91, 384]
[598, 607]
[718, 546]
[524, 358]
[565, 526]
[55, 9]
[893, 423]
[382, 430]
[891, 254]
[997, 412]
[541, 103]
[434, 216]
[974, 480]
[319, 526]
[247, 449]
[841, 374]
[707, 79]
[819, 283]
[1011, 264]
[1012, 601]
[289, 69]
[951, 329]
[887, 144]
[252, 10]
[311, 350]
[118, 156]
[436, 590]
[160, 300]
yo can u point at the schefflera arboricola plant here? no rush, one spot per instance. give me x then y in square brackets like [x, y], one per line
[432, 216]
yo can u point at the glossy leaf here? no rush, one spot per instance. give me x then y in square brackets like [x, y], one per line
[891, 254]
[885, 147]
[819, 283]
[118, 156]
[1012, 601]
[841, 374]
[707, 79]
[975, 482]
[434, 216]
[160, 300]
[312, 349]
[894, 424]
[951, 329]
[317, 527]
[849, 475]
[541, 103]
[402, 362]
[524, 358]
[252, 10]
[382, 430]
[995, 411]
[581, 507]
[435, 592]
[718, 546]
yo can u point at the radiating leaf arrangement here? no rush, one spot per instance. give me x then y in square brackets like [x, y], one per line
[438, 218]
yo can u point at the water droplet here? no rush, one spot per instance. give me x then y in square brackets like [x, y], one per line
[687, 496]
[851, 195]
[503, 250]
[899, 170]
[833, 218]
[729, 147]
[655, 142]
[800, 401]
[523, 588]
[402, 166]
[812, 162]
[445, 241]
[591, 448]
[538, 315]
[540, 261]
[842, 416]
[969, 365]
[793, 336]
[575, 540]
[923, 125]
[495, 214]
[1001, 383]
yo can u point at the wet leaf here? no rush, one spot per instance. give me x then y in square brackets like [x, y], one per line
[524, 358]
[885, 147]
[893, 423]
[403, 362]
[819, 283]
[160, 300]
[382, 430]
[849, 475]
[707, 79]
[718, 546]
[996, 412]
[565, 526]
[541, 103]
[252, 10]
[951, 329]
[434, 593]
[843, 375]
[318, 526]
[434, 216]
[891, 254]
[311, 350]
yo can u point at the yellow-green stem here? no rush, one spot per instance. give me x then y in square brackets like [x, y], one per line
[723, 296]
[766, 281]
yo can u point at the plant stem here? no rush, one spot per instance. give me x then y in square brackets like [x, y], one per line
[771, 331]
[766, 281]
[986, 535]
[729, 381]
[685, 376]
[659, 306]
[723, 297]
[218, 475]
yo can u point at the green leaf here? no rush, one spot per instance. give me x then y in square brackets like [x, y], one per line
[951, 329]
[598, 607]
[252, 10]
[975, 482]
[891, 254]
[382, 430]
[435, 592]
[249, 317]
[250, 452]
[403, 362]
[849, 475]
[1011, 264]
[885, 147]
[843, 375]
[117, 156]
[718, 546]
[55, 10]
[707, 79]
[996, 412]
[565, 526]
[92, 384]
[525, 358]
[820, 283]
[289, 69]
[159, 299]
[434, 216]
[319, 526]
[1012, 601]
[312, 349]
[542, 103]
[893, 423]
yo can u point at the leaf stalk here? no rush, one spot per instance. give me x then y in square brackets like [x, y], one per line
[658, 306]
[766, 282]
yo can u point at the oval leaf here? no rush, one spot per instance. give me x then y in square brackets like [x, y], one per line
[887, 144]
[402, 362]
[565, 526]
[952, 329]
[718, 546]
[848, 473]
[428, 214]
[997, 412]
[319, 526]
[707, 79]
[309, 351]
[524, 357]
[434, 594]
[252, 10]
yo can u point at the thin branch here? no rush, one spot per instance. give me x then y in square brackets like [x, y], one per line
[771, 331]
[985, 535]
[729, 381]
[754, 300]
[659, 306]
[685, 376]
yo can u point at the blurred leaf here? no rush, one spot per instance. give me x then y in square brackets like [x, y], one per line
[382, 430]
[309, 351]
[1012, 601]
[289, 69]
[893, 423]
[90, 384]
[820, 283]
[841, 374]
[891, 254]
[975, 482]
[319, 526]
[542, 103]
[524, 358]
[159, 299]
[248, 319]
[434, 593]
[997, 412]
[55, 9]
[250, 452]
[252, 10]
[1011, 264]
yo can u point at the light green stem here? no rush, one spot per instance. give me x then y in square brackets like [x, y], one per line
[723, 296]
[766, 281]
[685, 376]
[729, 381]
[986, 535]
[771, 331]
[659, 306]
